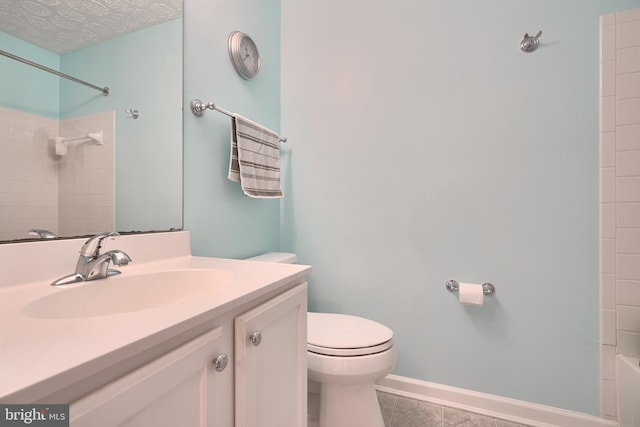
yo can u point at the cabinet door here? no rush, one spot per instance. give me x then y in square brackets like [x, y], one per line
[271, 362]
[180, 388]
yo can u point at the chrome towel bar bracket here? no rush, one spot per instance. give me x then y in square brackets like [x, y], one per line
[487, 288]
[198, 108]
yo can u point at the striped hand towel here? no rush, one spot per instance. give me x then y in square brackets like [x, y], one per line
[255, 159]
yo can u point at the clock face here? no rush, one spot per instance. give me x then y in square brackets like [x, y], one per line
[244, 55]
[249, 54]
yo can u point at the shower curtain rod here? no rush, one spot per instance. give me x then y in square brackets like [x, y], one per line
[104, 90]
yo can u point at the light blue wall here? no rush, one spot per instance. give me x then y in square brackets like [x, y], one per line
[26, 88]
[425, 146]
[143, 70]
[222, 221]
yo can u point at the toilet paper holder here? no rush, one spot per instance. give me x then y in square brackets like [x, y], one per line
[487, 288]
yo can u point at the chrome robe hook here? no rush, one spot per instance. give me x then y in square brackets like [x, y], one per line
[133, 113]
[530, 43]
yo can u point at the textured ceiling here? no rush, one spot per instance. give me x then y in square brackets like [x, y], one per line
[65, 25]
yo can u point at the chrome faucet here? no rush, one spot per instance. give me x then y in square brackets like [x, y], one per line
[92, 264]
[42, 234]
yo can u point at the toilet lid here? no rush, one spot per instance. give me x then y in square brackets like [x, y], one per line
[345, 335]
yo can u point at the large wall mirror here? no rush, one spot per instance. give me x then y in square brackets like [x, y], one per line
[74, 161]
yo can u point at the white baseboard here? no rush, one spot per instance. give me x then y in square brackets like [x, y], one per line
[517, 411]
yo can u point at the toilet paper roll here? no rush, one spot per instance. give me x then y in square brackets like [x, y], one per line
[471, 293]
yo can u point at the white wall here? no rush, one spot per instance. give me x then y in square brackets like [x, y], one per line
[620, 195]
[425, 146]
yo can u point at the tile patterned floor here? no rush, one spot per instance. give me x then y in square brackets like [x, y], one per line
[400, 411]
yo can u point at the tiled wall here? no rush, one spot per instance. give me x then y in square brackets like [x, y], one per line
[69, 195]
[86, 177]
[28, 174]
[619, 196]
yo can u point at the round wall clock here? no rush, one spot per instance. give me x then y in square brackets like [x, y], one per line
[244, 55]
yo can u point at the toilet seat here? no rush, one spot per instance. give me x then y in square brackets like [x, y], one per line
[344, 335]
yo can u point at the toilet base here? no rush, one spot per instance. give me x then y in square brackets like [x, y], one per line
[339, 405]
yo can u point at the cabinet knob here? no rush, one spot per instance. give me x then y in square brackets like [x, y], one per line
[256, 338]
[221, 362]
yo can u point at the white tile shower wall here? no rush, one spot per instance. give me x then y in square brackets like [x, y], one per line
[86, 177]
[70, 195]
[28, 174]
[628, 180]
[619, 196]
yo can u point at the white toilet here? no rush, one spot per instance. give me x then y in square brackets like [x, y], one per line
[345, 355]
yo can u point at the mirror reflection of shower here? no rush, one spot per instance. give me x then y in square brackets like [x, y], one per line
[57, 172]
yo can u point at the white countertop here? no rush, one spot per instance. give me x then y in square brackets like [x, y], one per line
[39, 356]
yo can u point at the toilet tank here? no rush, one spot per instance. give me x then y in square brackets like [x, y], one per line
[281, 257]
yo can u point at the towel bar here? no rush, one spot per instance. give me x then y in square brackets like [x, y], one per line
[198, 108]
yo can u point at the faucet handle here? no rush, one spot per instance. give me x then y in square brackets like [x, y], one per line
[91, 247]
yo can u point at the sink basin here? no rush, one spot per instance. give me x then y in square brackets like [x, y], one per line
[127, 293]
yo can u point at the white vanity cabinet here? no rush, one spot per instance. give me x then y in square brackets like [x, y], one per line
[248, 369]
[271, 362]
[142, 351]
[182, 388]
